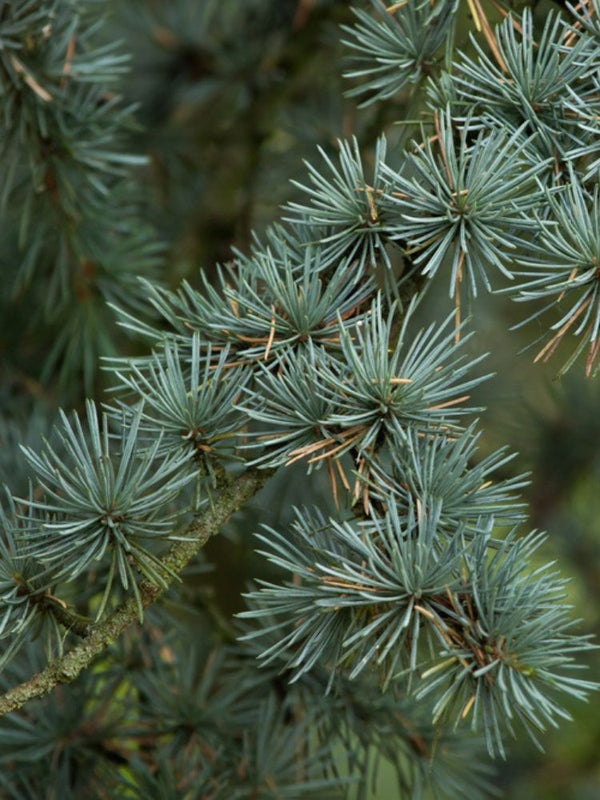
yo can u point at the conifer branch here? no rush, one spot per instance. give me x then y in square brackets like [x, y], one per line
[413, 619]
[230, 498]
[74, 623]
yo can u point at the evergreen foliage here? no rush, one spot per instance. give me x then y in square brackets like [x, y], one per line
[411, 616]
[67, 177]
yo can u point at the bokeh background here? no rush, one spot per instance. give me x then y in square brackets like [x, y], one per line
[230, 96]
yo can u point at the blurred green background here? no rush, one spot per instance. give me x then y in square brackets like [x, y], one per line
[231, 97]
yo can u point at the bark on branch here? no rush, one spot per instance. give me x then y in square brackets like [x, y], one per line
[230, 498]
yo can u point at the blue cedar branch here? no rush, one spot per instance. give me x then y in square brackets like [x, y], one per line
[230, 498]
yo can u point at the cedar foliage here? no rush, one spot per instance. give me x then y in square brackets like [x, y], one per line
[404, 609]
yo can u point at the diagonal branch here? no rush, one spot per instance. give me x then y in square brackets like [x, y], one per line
[231, 497]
